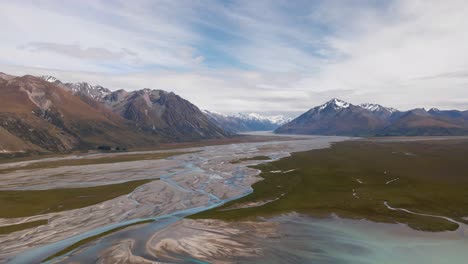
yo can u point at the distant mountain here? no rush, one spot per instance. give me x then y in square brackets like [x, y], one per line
[44, 114]
[163, 113]
[82, 88]
[337, 117]
[419, 122]
[154, 111]
[245, 122]
[382, 112]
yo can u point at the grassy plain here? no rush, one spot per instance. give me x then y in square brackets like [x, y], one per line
[18, 227]
[252, 158]
[110, 158]
[353, 180]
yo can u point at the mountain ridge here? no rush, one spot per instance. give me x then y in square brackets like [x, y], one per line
[337, 117]
[242, 122]
[42, 114]
[146, 108]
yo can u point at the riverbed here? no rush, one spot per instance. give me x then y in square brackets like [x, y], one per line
[196, 180]
[188, 183]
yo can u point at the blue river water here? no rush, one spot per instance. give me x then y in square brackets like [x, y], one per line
[336, 241]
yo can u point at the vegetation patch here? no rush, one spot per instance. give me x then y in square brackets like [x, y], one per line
[252, 158]
[353, 179]
[92, 161]
[19, 203]
[18, 227]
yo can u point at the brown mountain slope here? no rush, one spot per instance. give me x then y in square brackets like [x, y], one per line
[419, 122]
[46, 116]
[163, 113]
[154, 112]
[335, 117]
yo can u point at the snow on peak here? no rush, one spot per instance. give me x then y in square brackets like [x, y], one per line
[96, 92]
[208, 112]
[275, 119]
[49, 78]
[377, 107]
[336, 103]
[371, 107]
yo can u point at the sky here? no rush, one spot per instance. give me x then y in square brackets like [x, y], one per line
[249, 56]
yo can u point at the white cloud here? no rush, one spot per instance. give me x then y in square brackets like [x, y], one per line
[402, 53]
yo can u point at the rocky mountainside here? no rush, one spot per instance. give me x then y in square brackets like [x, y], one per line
[83, 89]
[162, 113]
[44, 114]
[245, 122]
[337, 117]
[152, 111]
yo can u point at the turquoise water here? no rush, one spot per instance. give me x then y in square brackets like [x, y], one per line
[302, 239]
[308, 240]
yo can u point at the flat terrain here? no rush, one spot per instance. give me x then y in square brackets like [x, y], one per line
[28, 156]
[247, 159]
[191, 180]
[33, 202]
[354, 179]
[17, 227]
[89, 160]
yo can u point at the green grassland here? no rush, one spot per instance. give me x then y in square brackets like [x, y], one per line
[21, 203]
[116, 158]
[18, 227]
[252, 158]
[432, 178]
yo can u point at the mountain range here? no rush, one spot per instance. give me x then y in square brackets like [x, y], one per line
[43, 114]
[337, 117]
[241, 122]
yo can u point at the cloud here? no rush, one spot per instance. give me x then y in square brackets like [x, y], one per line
[456, 74]
[269, 56]
[74, 50]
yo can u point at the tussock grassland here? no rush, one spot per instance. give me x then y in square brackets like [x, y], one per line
[110, 158]
[18, 227]
[252, 158]
[353, 180]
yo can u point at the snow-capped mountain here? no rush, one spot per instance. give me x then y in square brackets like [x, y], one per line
[377, 107]
[49, 78]
[242, 122]
[275, 119]
[83, 88]
[335, 104]
[337, 117]
[96, 92]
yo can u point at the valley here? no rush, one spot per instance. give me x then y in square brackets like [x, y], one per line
[364, 179]
[191, 180]
[250, 132]
[160, 206]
